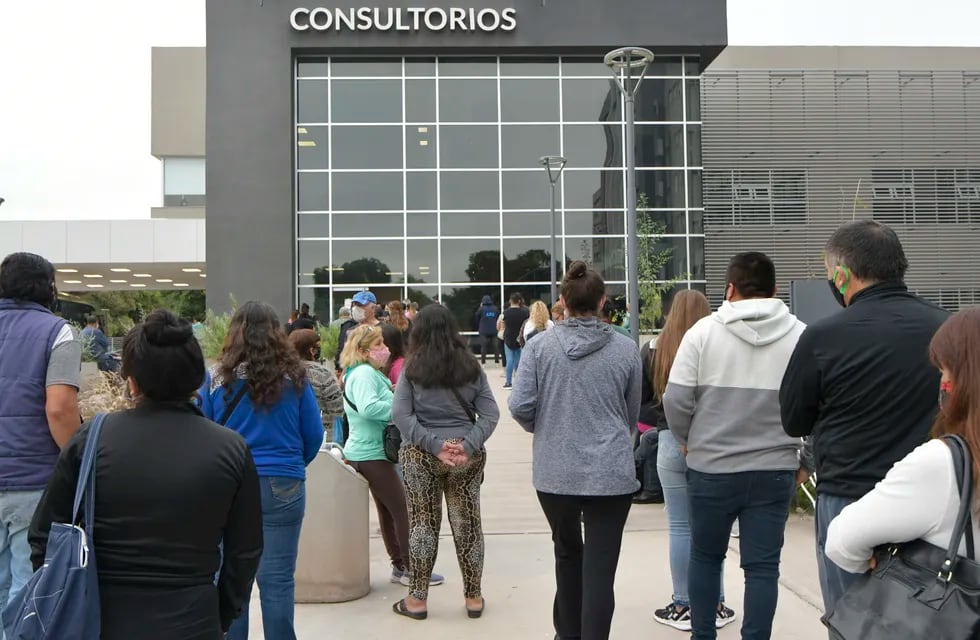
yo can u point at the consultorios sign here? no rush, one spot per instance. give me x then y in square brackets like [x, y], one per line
[403, 19]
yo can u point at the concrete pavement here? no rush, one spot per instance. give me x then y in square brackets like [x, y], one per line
[519, 573]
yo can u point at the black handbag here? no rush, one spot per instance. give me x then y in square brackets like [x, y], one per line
[918, 590]
[391, 437]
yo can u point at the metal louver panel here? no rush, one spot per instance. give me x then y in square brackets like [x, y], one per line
[791, 155]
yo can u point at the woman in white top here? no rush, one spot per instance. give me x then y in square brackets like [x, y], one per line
[539, 322]
[919, 498]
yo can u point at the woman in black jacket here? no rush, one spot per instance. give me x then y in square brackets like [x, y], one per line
[171, 486]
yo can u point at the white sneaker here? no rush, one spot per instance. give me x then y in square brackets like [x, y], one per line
[674, 615]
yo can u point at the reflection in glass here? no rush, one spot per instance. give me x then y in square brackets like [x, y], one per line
[314, 255]
[696, 217]
[423, 224]
[697, 258]
[319, 300]
[367, 147]
[312, 101]
[421, 141]
[531, 66]
[367, 101]
[468, 147]
[532, 292]
[473, 223]
[366, 67]
[595, 223]
[464, 302]
[470, 66]
[367, 191]
[693, 99]
[314, 225]
[660, 99]
[312, 151]
[572, 66]
[534, 223]
[591, 101]
[471, 260]
[669, 222]
[468, 100]
[663, 189]
[527, 260]
[420, 67]
[421, 190]
[694, 145]
[607, 255]
[368, 225]
[528, 190]
[659, 145]
[676, 265]
[594, 145]
[523, 145]
[423, 261]
[593, 189]
[423, 296]
[420, 100]
[529, 100]
[694, 199]
[368, 261]
[314, 191]
[470, 190]
[312, 67]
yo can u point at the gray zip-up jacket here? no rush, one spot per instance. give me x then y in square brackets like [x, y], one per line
[578, 391]
[427, 418]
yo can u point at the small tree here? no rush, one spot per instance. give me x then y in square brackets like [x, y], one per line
[650, 262]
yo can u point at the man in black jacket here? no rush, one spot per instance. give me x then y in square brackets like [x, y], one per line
[859, 383]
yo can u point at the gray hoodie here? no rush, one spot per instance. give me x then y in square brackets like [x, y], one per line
[578, 391]
[722, 397]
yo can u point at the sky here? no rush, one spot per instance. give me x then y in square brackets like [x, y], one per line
[75, 84]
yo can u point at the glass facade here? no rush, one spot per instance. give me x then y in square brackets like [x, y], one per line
[419, 178]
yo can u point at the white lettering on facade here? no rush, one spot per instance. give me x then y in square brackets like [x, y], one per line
[403, 19]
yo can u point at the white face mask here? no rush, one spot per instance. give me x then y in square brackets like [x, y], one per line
[358, 314]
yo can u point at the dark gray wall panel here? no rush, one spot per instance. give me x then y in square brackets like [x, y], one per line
[790, 155]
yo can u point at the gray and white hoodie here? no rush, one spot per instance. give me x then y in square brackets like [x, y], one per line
[722, 397]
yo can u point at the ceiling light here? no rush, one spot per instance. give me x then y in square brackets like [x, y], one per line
[181, 284]
[204, 275]
[93, 275]
[94, 286]
[301, 130]
[138, 285]
[118, 281]
[307, 143]
[164, 280]
[67, 270]
[423, 143]
[142, 275]
[119, 270]
[73, 282]
[191, 270]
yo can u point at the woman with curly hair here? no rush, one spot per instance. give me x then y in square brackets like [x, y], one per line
[259, 388]
[398, 318]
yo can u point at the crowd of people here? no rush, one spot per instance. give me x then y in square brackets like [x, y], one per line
[720, 417]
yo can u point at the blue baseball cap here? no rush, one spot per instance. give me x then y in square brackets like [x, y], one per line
[364, 298]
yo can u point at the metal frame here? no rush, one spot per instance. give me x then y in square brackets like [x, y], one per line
[554, 165]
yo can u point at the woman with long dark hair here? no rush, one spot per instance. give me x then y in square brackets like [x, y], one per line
[687, 309]
[920, 497]
[579, 392]
[394, 339]
[176, 500]
[446, 411]
[260, 389]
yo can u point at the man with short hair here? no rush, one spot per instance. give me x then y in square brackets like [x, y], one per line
[860, 384]
[722, 404]
[363, 307]
[512, 321]
[305, 320]
[342, 317]
[95, 342]
[40, 364]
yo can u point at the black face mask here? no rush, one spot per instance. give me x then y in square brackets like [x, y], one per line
[838, 296]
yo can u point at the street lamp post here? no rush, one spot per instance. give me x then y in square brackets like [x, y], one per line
[554, 165]
[629, 64]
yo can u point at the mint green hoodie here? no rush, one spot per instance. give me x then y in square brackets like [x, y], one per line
[371, 391]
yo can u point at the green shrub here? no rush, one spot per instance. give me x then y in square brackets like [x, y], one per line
[329, 339]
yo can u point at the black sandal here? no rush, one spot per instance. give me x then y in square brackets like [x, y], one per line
[401, 608]
[476, 613]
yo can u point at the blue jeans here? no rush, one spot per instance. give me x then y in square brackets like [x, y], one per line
[834, 581]
[16, 510]
[283, 506]
[672, 468]
[513, 359]
[760, 500]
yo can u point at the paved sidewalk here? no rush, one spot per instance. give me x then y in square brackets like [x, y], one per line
[519, 575]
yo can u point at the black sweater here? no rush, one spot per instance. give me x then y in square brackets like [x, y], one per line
[651, 408]
[861, 384]
[170, 486]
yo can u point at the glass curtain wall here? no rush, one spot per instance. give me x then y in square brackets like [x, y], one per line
[418, 178]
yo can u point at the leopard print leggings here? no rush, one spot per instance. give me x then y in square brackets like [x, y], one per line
[427, 479]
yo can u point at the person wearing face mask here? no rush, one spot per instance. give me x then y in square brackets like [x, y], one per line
[370, 391]
[324, 383]
[362, 310]
[859, 383]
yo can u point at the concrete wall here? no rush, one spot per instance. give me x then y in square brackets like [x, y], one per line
[250, 95]
[178, 102]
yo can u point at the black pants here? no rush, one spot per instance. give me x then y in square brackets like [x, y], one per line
[488, 344]
[585, 571]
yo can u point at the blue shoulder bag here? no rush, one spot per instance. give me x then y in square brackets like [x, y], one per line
[62, 598]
